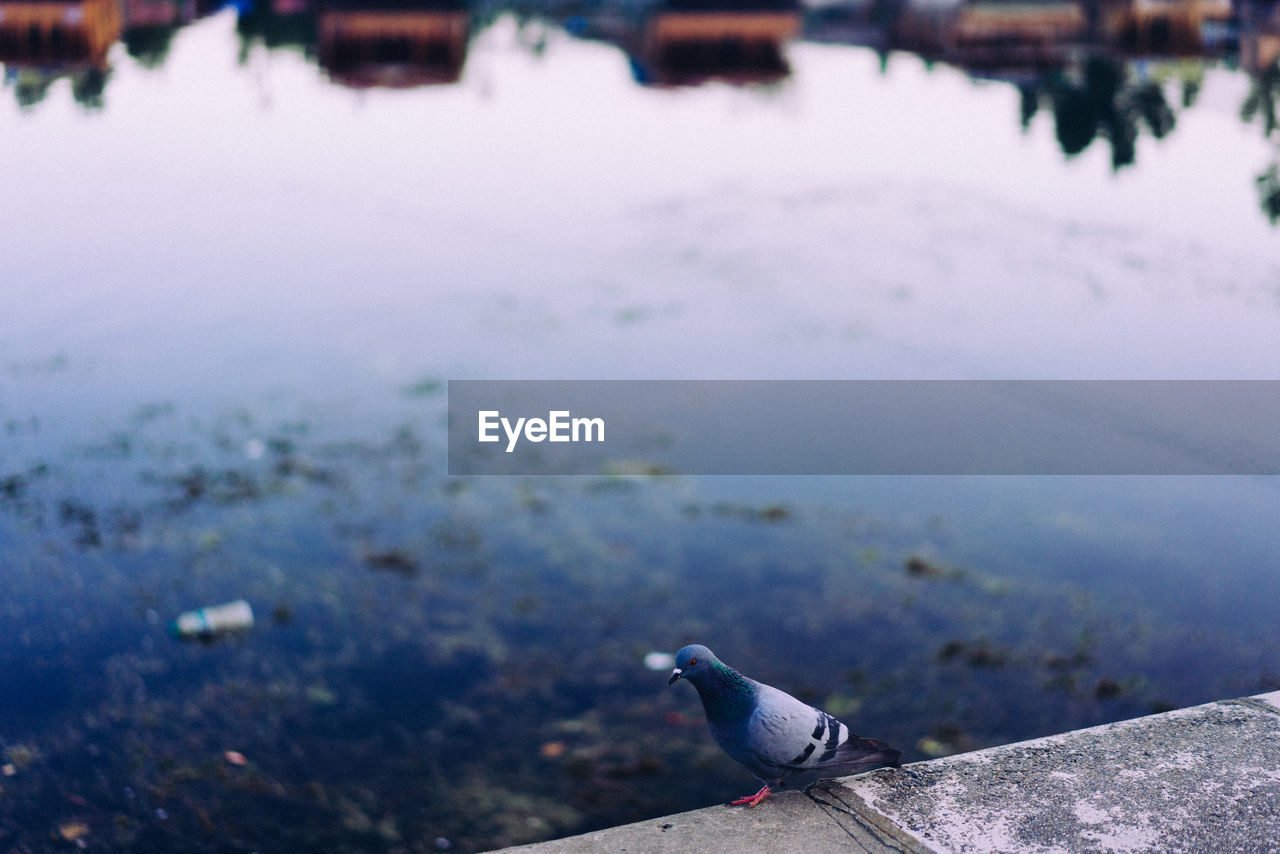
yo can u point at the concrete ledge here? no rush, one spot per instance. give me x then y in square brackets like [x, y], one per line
[788, 821]
[1201, 779]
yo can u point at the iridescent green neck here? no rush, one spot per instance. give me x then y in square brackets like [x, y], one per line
[726, 694]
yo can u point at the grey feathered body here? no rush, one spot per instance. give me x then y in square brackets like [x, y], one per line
[774, 735]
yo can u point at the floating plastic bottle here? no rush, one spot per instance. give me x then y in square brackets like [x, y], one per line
[215, 620]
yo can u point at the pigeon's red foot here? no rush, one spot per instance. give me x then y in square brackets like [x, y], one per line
[752, 800]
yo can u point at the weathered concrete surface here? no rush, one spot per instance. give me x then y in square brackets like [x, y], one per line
[788, 821]
[1196, 780]
[1203, 779]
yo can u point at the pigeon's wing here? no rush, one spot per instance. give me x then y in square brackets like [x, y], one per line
[786, 735]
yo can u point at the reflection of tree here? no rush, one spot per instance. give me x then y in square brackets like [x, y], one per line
[88, 87]
[1191, 90]
[1262, 99]
[1269, 191]
[31, 85]
[1028, 103]
[1261, 105]
[261, 23]
[1106, 101]
[149, 45]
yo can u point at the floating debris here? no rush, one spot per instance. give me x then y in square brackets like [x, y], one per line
[553, 749]
[213, 621]
[1107, 689]
[659, 661]
[225, 487]
[638, 469]
[921, 567]
[1059, 663]
[978, 653]
[842, 705]
[84, 519]
[931, 747]
[946, 739]
[392, 561]
[774, 513]
[19, 756]
[73, 831]
[422, 388]
[320, 695]
[751, 513]
[235, 757]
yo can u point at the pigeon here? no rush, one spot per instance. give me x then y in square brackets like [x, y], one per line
[770, 732]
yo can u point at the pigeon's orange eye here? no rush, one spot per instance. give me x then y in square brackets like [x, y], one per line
[693, 661]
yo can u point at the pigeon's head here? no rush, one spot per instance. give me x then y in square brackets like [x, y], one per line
[690, 661]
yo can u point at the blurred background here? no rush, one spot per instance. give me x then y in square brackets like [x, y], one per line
[248, 245]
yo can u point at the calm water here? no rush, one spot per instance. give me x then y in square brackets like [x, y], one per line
[241, 262]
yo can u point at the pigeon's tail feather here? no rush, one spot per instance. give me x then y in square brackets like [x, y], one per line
[863, 754]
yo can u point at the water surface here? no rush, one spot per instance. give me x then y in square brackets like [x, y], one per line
[234, 284]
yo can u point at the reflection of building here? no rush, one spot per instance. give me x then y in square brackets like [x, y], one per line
[1163, 27]
[52, 33]
[995, 33]
[1259, 36]
[1259, 50]
[156, 13]
[1037, 28]
[392, 42]
[688, 44]
[42, 41]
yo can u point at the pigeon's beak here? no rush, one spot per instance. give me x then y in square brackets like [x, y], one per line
[675, 674]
